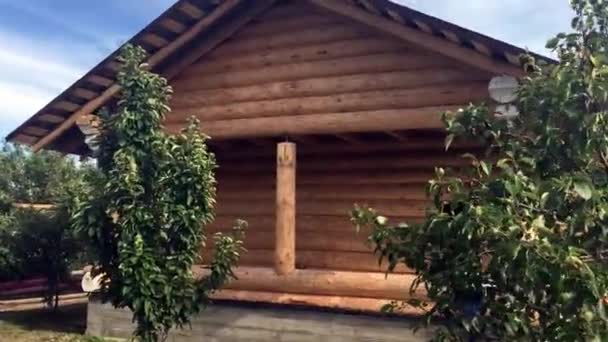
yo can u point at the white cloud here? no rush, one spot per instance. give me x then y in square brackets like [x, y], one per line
[525, 23]
[33, 73]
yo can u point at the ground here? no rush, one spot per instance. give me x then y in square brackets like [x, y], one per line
[40, 325]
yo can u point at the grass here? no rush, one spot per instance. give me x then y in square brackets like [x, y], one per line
[65, 325]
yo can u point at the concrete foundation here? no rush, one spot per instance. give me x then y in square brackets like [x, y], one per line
[248, 322]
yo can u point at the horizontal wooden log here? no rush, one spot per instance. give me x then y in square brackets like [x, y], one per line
[307, 53]
[380, 177]
[354, 304]
[327, 192]
[290, 10]
[264, 27]
[324, 207]
[313, 35]
[328, 260]
[304, 223]
[386, 162]
[366, 121]
[430, 144]
[319, 282]
[379, 63]
[450, 94]
[322, 86]
[307, 240]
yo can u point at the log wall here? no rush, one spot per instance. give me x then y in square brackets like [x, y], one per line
[296, 70]
[328, 184]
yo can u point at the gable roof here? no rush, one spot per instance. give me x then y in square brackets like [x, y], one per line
[190, 28]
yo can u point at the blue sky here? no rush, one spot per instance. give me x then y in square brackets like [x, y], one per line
[45, 45]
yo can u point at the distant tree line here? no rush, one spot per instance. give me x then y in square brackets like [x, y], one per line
[35, 242]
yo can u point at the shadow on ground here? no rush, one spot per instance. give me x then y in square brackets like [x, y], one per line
[67, 319]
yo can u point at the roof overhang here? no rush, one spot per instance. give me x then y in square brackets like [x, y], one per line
[191, 28]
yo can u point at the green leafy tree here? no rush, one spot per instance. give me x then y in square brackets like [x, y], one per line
[148, 215]
[35, 242]
[516, 249]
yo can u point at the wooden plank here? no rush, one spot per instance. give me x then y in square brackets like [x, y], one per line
[319, 282]
[305, 53]
[284, 257]
[408, 208]
[191, 10]
[343, 178]
[35, 131]
[329, 260]
[65, 105]
[289, 10]
[313, 35]
[449, 94]
[305, 223]
[326, 192]
[99, 80]
[26, 139]
[310, 241]
[323, 86]
[50, 118]
[284, 24]
[329, 123]
[212, 41]
[84, 93]
[428, 143]
[424, 40]
[172, 25]
[360, 161]
[156, 58]
[380, 63]
[154, 40]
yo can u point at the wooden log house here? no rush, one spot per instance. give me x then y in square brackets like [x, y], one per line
[312, 106]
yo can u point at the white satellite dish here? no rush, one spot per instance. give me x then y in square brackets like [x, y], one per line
[91, 284]
[503, 89]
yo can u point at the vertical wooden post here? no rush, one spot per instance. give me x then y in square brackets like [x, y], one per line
[285, 245]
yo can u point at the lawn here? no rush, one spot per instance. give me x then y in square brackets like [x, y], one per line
[65, 325]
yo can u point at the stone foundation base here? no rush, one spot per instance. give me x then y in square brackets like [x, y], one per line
[249, 322]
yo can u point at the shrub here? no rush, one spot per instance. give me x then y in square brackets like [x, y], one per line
[147, 217]
[517, 249]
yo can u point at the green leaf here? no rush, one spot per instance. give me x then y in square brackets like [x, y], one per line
[583, 189]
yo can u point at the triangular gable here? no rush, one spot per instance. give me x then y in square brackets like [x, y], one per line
[190, 29]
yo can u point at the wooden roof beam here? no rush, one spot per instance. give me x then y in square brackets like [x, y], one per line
[25, 139]
[191, 10]
[421, 39]
[172, 25]
[155, 59]
[327, 123]
[65, 105]
[99, 80]
[154, 40]
[214, 40]
[50, 118]
[84, 93]
[35, 131]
